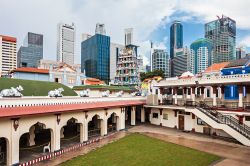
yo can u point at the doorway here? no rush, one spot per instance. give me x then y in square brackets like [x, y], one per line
[181, 122]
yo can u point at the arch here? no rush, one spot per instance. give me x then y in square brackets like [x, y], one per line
[33, 141]
[113, 122]
[4, 151]
[93, 115]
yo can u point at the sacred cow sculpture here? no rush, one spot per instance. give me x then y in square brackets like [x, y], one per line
[133, 94]
[56, 93]
[105, 93]
[85, 93]
[119, 94]
[12, 92]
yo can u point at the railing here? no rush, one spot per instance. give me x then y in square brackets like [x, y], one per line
[111, 128]
[94, 132]
[224, 119]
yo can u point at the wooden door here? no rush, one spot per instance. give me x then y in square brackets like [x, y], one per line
[181, 122]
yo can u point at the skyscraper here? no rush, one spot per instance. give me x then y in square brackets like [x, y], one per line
[95, 57]
[160, 61]
[176, 37]
[115, 49]
[176, 43]
[8, 54]
[240, 52]
[31, 52]
[128, 36]
[222, 33]
[200, 55]
[66, 43]
[179, 62]
[100, 29]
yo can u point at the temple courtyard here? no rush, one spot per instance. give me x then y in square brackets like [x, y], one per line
[137, 149]
[155, 145]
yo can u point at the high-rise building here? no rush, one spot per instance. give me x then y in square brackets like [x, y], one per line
[66, 43]
[128, 36]
[240, 52]
[100, 29]
[85, 36]
[179, 62]
[176, 37]
[200, 55]
[8, 54]
[222, 33]
[95, 57]
[31, 52]
[127, 72]
[161, 61]
[114, 53]
[176, 43]
[140, 64]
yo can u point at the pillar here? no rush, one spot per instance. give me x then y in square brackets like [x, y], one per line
[122, 119]
[118, 123]
[193, 93]
[133, 116]
[222, 92]
[84, 131]
[14, 145]
[161, 116]
[202, 92]
[240, 90]
[175, 96]
[32, 136]
[214, 88]
[184, 91]
[142, 114]
[104, 127]
[56, 138]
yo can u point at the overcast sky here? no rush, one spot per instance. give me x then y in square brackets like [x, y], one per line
[149, 18]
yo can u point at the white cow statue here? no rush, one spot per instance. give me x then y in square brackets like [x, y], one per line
[119, 94]
[85, 93]
[133, 94]
[56, 93]
[12, 92]
[105, 93]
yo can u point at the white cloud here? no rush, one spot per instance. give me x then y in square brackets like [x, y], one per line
[245, 42]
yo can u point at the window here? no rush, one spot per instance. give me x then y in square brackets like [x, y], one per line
[155, 115]
[165, 116]
[200, 122]
[247, 118]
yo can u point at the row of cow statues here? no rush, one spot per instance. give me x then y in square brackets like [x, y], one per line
[16, 92]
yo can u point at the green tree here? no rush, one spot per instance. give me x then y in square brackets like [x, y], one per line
[152, 74]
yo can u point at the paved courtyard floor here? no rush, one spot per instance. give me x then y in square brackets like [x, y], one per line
[233, 154]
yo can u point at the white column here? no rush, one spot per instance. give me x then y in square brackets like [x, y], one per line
[193, 93]
[14, 146]
[240, 89]
[161, 117]
[214, 96]
[175, 96]
[133, 116]
[84, 131]
[32, 136]
[142, 114]
[118, 123]
[122, 119]
[104, 127]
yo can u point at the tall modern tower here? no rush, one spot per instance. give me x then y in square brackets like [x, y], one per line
[160, 61]
[100, 29]
[200, 55]
[222, 33]
[95, 57]
[8, 54]
[176, 37]
[128, 36]
[66, 43]
[176, 43]
[31, 52]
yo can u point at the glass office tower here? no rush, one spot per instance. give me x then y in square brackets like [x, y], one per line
[95, 57]
[222, 33]
[31, 52]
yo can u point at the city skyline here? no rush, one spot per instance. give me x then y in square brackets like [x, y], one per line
[155, 27]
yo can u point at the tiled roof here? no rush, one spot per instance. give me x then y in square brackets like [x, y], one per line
[216, 67]
[15, 112]
[31, 70]
[8, 38]
[93, 81]
[237, 63]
